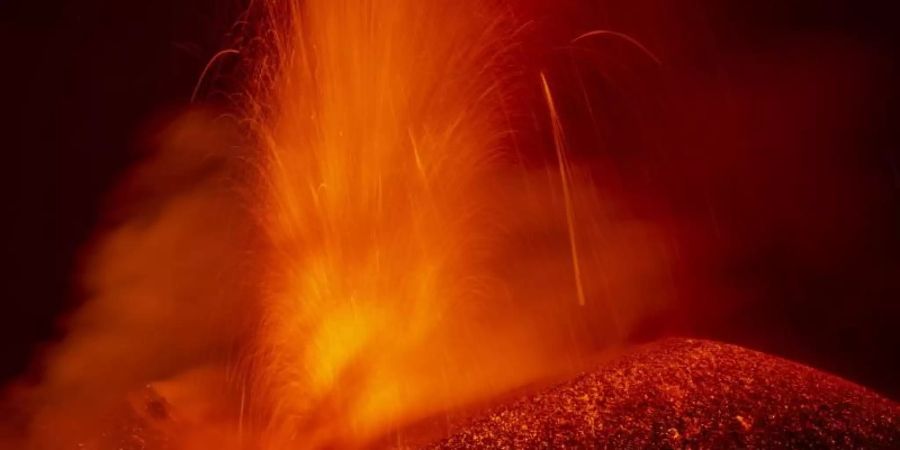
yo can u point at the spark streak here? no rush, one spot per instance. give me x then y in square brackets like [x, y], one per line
[560, 146]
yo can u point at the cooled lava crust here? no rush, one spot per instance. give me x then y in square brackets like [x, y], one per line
[694, 394]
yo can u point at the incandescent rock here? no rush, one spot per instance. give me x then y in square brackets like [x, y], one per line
[683, 393]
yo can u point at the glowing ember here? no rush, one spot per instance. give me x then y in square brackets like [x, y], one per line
[692, 394]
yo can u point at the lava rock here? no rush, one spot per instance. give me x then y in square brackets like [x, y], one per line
[691, 394]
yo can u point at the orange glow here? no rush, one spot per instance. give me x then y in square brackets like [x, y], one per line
[376, 254]
[393, 212]
[381, 142]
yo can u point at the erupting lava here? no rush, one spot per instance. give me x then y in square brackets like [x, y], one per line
[393, 209]
[379, 248]
[390, 227]
[380, 128]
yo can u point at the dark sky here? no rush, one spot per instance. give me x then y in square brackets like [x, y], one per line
[82, 79]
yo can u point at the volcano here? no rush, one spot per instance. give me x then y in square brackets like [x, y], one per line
[671, 394]
[685, 393]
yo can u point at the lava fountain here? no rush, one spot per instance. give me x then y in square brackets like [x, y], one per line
[379, 135]
[392, 206]
[376, 240]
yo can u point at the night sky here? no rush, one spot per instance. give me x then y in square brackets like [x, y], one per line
[806, 202]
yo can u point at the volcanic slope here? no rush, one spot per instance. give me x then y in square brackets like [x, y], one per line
[683, 393]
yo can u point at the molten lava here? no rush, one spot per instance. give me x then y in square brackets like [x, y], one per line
[376, 240]
[389, 227]
[379, 127]
[394, 208]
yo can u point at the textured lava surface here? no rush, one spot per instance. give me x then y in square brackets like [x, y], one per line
[683, 393]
